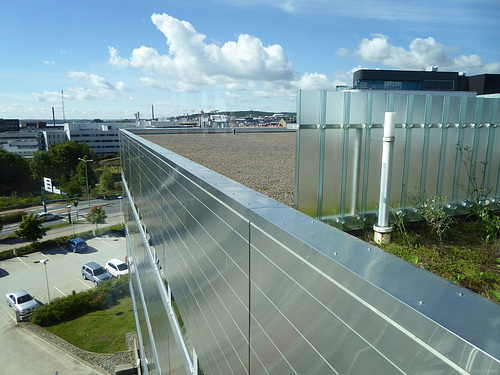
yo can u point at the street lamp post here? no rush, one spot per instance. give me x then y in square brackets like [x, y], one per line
[44, 261]
[86, 178]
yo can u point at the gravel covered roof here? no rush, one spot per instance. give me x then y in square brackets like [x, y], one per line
[264, 162]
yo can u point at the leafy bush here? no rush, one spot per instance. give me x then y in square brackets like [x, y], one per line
[435, 215]
[14, 217]
[491, 220]
[78, 304]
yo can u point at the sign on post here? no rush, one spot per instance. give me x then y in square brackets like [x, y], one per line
[47, 184]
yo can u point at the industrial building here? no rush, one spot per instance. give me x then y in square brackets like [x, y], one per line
[426, 80]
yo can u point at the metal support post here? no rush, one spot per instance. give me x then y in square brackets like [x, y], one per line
[382, 228]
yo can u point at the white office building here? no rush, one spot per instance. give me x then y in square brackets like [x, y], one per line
[100, 137]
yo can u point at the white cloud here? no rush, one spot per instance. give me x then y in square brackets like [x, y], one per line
[149, 82]
[192, 63]
[50, 96]
[314, 81]
[48, 62]
[115, 59]
[98, 82]
[420, 54]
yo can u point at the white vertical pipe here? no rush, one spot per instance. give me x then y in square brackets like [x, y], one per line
[385, 177]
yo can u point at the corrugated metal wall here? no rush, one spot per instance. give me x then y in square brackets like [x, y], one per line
[265, 289]
[445, 145]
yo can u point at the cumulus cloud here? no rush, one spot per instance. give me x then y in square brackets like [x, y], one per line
[150, 82]
[192, 62]
[98, 82]
[115, 59]
[314, 81]
[420, 54]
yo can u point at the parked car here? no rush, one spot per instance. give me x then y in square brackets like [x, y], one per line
[76, 245]
[47, 216]
[22, 301]
[95, 272]
[117, 267]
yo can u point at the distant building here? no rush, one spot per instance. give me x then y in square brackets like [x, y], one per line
[24, 143]
[34, 124]
[485, 84]
[100, 137]
[426, 80]
[9, 125]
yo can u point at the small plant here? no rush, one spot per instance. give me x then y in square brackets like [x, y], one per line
[399, 225]
[435, 215]
[491, 220]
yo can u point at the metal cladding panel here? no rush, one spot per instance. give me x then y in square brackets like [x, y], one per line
[445, 143]
[265, 289]
[206, 256]
[407, 315]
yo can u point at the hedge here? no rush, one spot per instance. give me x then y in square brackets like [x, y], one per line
[77, 304]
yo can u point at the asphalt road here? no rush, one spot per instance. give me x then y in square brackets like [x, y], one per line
[111, 207]
[22, 351]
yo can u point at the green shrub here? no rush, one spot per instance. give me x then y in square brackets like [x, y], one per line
[14, 217]
[435, 215]
[78, 304]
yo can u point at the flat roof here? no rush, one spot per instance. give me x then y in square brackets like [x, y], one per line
[262, 161]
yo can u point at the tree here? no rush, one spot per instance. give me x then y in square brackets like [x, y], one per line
[64, 157]
[96, 215]
[40, 166]
[75, 185]
[14, 173]
[31, 228]
[106, 180]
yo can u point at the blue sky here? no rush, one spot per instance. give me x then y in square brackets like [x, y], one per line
[113, 58]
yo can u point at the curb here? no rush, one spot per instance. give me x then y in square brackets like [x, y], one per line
[77, 353]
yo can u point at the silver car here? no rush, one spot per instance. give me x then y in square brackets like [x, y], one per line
[22, 301]
[95, 272]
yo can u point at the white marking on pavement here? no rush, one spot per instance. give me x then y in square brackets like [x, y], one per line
[23, 262]
[60, 291]
[107, 243]
[84, 283]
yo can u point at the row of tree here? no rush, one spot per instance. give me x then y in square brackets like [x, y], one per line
[62, 163]
[31, 228]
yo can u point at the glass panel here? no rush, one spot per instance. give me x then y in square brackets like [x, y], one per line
[400, 107]
[455, 110]
[419, 109]
[358, 108]
[308, 171]
[333, 172]
[379, 107]
[470, 117]
[310, 107]
[335, 107]
[437, 109]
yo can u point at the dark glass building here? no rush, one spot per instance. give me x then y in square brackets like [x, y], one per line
[425, 80]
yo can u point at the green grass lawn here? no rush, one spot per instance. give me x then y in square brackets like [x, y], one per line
[100, 331]
[463, 257]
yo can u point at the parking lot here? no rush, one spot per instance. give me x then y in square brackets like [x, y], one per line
[63, 276]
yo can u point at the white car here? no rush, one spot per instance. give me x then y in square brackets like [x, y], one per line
[21, 301]
[47, 216]
[117, 267]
